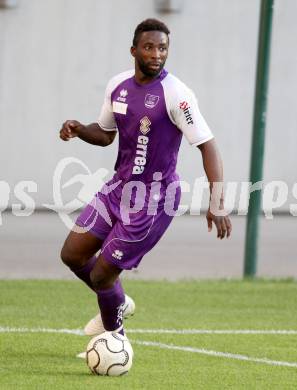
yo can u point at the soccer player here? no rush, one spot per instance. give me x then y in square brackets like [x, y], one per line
[151, 110]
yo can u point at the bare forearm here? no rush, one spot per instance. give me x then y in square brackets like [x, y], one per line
[93, 134]
[212, 163]
[213, 167]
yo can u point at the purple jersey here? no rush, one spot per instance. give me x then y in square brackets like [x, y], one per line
[151, 120]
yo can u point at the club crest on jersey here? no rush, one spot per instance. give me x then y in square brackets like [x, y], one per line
[150, 101]
[184, 106]
[145, 125]
[123, 95]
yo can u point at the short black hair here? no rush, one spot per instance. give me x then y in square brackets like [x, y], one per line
[149, 25]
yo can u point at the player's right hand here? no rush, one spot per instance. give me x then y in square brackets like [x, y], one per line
[70, 129]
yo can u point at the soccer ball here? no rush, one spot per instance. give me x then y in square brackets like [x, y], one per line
[110, 354]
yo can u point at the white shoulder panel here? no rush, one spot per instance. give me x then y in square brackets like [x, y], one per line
[183, 111]
[106, 118]
[118, 79]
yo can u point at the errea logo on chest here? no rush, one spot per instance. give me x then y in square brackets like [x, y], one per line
[123, 95]
[145, 125]
[141, 149]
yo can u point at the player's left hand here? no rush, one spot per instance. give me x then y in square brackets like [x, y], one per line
[223, 224]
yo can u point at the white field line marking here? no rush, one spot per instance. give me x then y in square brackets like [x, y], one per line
[80, 332]
[203, 351]
[213, 331]
[215, 353]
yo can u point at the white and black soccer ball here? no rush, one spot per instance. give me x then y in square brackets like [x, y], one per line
[110, 354]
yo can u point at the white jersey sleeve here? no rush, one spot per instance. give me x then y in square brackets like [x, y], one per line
[183, 110]
[106, 118]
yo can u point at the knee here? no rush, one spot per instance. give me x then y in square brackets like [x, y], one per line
[70, 258]
[100, 280]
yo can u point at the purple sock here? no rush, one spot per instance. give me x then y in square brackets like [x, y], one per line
[83, 273]
[111, 304]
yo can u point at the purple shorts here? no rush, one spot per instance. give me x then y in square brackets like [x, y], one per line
[127, 233]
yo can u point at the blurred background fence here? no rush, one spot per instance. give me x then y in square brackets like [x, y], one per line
[56, 57]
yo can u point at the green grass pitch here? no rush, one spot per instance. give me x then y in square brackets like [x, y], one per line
[47, 360]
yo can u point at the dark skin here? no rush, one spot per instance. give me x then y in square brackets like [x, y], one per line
[150, 55]
[213, 167]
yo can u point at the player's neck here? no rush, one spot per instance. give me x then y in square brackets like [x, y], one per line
[143, 79]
